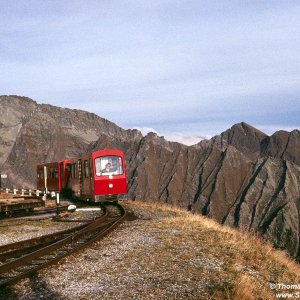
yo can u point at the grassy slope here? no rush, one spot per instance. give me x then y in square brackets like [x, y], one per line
[215, 261]
[165, 253]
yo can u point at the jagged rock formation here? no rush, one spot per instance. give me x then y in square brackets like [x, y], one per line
[283, 145]
[244, 138]
[234, 180]
[242, 177]
[32, 134]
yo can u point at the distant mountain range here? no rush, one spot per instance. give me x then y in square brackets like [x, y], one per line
[241, 177]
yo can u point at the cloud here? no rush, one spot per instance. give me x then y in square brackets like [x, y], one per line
[186, 139]
[180, 137]
[161, 64]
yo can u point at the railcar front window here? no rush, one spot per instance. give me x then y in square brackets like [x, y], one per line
[108, 165]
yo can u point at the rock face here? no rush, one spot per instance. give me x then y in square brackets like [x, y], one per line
[32, 134]
[242, 177]
[237, 178]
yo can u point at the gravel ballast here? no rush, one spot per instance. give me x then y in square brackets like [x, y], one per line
[153, 255]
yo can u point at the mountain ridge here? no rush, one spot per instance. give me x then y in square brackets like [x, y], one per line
[242, 177]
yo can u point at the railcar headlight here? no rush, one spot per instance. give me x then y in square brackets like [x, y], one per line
[110, 185]
[110, 176]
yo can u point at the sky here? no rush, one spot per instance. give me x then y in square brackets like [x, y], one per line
[184, 69]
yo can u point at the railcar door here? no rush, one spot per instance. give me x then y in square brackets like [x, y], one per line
[40, 178]
[67, 170]
[61, 177]
[86, 179]
[80, 177]
[91, 172]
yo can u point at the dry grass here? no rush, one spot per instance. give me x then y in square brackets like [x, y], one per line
[167, 253]
[237, 265]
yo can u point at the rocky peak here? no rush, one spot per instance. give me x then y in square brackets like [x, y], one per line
[156, 140]
[14, 99]
[14, 110]
[134, 134]
[243, 137]
[283, 144]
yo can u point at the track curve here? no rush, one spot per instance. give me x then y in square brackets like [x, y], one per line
[22, 259]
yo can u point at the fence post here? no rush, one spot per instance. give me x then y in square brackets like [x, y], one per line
[57, 203]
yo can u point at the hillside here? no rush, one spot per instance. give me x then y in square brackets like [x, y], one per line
[238, 182]
[241, 177]
[34, 133]
[164, 253]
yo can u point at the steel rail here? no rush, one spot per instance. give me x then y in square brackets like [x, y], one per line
[45, 238]
[28, 264]
[22, 214]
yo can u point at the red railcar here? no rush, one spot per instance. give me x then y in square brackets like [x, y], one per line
[52, 176]
[100, 175]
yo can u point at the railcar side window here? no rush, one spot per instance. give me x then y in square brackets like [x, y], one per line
[53, 172]
[41, 174]
[79, 168]
[86, 168]
[108, 165]
[73, 171]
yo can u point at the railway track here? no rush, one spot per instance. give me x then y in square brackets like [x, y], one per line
[22, 259]
[35, 213]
